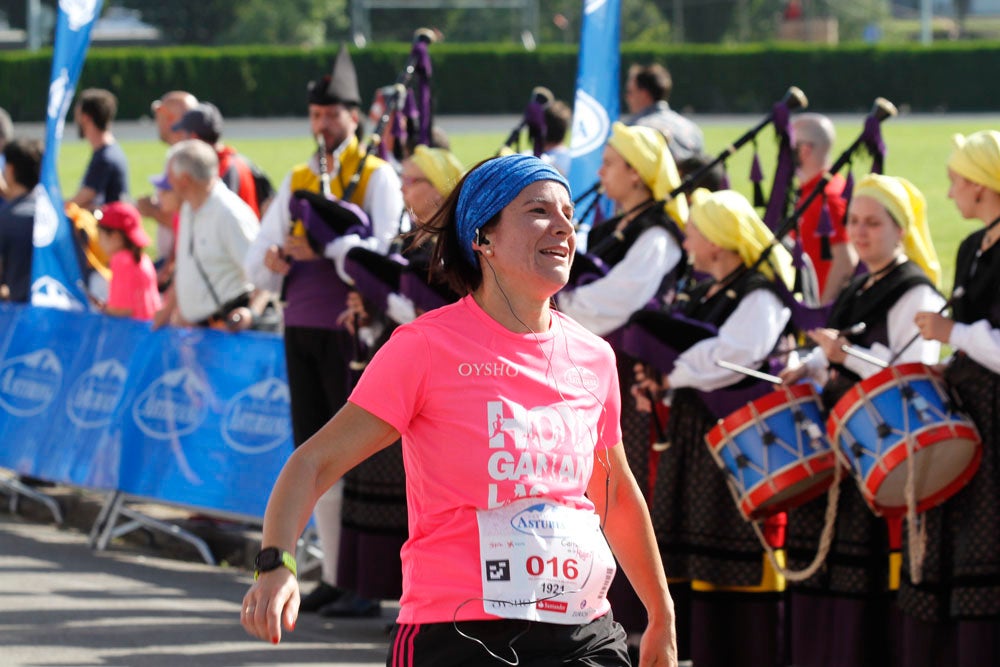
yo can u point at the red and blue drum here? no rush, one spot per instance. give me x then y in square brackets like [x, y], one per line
[774, 451]
[899, 410]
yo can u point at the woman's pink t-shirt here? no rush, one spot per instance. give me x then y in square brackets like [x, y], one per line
[133, 286]
[487, 416]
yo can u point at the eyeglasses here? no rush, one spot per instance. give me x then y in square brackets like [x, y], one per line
[413, 180]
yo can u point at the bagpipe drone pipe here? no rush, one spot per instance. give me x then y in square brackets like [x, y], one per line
[590, 265]
[533, 121]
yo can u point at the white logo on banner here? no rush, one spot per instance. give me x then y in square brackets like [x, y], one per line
[50, 293]
[29, 383]
[95, 394]
[256, 419]
[46, 219]
[172, 406]
[590, 125]
[57, 95]
[592, 6]
[78, 12]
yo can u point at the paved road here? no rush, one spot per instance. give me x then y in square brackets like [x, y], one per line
[62, 604]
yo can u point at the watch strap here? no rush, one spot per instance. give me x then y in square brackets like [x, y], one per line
[285, 559]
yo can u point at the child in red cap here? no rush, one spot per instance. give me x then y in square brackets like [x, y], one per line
[133, 291]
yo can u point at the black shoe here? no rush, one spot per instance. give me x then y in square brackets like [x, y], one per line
[351, 606]
[320, 596]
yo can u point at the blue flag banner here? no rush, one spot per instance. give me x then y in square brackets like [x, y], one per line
[56, 278]
[597, 95]
[194, 417]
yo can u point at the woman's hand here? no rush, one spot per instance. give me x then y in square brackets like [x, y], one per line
[832, 343]
[792, 375]
[934, 326]
[646, 386]
[270, 604]
[298, 248]
[658, 647]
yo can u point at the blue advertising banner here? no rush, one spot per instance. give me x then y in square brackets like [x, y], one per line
[195, 417]
[56, 279]
[597, 96]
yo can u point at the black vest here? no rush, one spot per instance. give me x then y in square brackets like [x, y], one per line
[980, 278]
[609, 249]
[870, 306]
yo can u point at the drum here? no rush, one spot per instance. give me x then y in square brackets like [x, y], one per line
[774, 451]
[870, 426]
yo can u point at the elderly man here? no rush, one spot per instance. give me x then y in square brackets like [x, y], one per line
[833, 258]
[216, 230]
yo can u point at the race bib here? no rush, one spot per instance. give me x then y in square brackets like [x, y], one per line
[542, 561]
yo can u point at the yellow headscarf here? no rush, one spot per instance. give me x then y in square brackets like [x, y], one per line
[907, 206]
[728, 220]
[440, 167]
[977, 158]
[645, 150]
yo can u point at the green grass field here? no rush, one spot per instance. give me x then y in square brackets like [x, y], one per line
[916, 150]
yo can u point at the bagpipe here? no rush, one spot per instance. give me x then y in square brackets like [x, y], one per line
[533, 121]
[589, 266]
[405, 108]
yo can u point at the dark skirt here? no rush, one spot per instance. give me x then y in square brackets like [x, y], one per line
[961, 570]
[374, 526]
[700, 532]
[629, 611]
[840, 631]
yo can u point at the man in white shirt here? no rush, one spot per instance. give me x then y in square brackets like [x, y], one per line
[215, 233]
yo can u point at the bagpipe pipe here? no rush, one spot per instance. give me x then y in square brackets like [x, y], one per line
[533, 121]
[588, 266]
[404, 109]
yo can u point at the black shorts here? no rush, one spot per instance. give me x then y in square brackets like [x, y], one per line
[600, 643]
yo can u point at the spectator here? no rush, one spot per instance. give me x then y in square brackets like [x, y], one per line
[216, 229]
[814, 136]
[106, 179]
[557, 119]
[167, 111]
[647, 95]
[132, 292]
[237, 172]
[6, 134]
[22, 171]
[305, 268]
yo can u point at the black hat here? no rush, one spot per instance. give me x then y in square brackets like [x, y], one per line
[204, 121]
[338, 87]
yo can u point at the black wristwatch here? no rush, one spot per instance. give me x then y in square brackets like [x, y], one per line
[272, 558]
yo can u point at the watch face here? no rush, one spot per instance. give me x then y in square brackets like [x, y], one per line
[268, 559]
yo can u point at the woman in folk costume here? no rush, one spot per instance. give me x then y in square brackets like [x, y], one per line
[700, 532]
[887, 227]
[641, 250]
[374, 512]
[952, 617]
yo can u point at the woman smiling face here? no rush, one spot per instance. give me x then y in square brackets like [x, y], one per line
[531, 247]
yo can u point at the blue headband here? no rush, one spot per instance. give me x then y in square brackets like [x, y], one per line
[490, 187]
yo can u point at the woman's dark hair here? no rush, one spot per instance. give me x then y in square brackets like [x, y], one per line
[448, 263]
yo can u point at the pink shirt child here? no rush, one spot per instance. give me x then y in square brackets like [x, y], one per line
[487, 416]
[133, 286]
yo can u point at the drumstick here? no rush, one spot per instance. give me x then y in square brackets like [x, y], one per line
[749, 371]
[955, 296]
[864, 356]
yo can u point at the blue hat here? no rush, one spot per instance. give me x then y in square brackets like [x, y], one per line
[490, 187]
